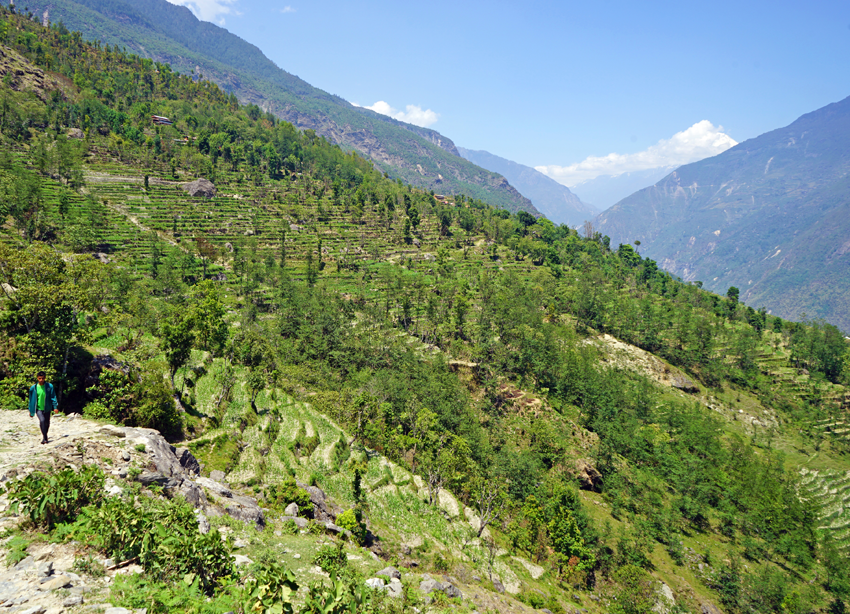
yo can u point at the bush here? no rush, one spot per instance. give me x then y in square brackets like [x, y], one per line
[17, 550]
[97, 411]
[49, 499]
[347, 520]
[156, 409]
[163, 536]
[331, 559]
[278, 496]
[635, 593]
[138, 592]
[270, 590]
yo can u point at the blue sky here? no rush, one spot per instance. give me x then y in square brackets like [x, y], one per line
[574, 89]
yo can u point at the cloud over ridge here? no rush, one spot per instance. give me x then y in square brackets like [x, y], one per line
[209, 10]
[413, 114]
[700, 141]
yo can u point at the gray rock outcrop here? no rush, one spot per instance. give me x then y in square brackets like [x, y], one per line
[200, 187]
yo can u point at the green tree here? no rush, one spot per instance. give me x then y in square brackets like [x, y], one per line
[732, 294]
[206, 313]
[176, 340]
[566, 539]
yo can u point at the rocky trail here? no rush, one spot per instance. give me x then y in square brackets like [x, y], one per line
[45, 581]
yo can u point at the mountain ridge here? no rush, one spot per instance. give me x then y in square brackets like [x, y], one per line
[554, 200]
[769, 216]
[172, 34]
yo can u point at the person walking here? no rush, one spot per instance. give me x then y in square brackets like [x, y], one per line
[42, 402]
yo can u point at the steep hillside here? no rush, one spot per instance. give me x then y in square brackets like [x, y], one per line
[552, 199]
[770, 216]
[172, 34]
[407, 366]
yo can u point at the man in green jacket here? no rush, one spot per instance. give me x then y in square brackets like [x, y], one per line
[42, 402]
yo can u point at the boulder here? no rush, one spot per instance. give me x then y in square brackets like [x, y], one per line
[395, 588]
[429, 585]
[452, 591]
[246, 510]
[375, 583]
[684, 384]
[75, 133]
[203, 524]
[187, 460]
[301, 523]
[291, 509]
[241, 559]
[149, 478]
[193, 493]
[322, 510]
[155, 444]
[200, 187]
[392, 572]
[588, 475]
[217, 475]
[215, 487]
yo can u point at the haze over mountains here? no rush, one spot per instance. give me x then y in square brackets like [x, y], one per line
[172, 34]
[607, 190]
[552, 199]
[770, 216]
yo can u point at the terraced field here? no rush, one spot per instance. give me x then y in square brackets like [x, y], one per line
[830, 490]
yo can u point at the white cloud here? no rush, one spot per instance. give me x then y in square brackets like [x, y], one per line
[702, 140]
[209, 10]
[414, 114]
[287, 9]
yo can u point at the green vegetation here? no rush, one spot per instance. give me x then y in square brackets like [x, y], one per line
[418, 156]
[315, 315]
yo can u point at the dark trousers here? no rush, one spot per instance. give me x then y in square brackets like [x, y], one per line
[43, 422]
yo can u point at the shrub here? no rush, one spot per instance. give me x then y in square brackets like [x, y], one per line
[138, 592]
[676, 550]
[332, 560]
[17, 550]
[156, 408]
[163, 536]
[270, 590]
[97, 411]
[89, 565]
[340, 597]
[636, 591]
[278, 496]
[48, 499]
[347, 520]
[289, 527]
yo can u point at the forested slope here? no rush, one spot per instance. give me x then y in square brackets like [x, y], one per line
[615, 425]
[171, 34]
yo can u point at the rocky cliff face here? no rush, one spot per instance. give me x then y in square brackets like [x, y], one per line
[769, 216]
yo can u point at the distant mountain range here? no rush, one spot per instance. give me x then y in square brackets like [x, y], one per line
[552, 199]
[770, 216]
[607, 190]
[171, 34]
